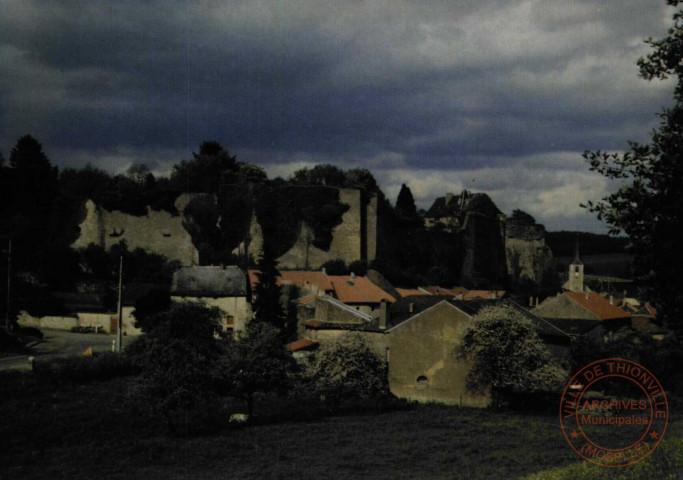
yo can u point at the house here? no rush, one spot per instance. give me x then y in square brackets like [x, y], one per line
[423, 338]
[584, 307]
[418, 336]
[355, 291]
[224, 287]
[359, 293]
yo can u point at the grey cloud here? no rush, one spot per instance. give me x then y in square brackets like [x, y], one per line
[390, 85]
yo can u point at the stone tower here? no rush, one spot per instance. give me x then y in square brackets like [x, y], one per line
[575, 281]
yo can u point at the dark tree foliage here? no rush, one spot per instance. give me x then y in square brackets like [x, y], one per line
[268, 293]
[256, 363]
[282, 211]
[405, 203]
[662, 357]
[201, 221]
[32, 189]
[149, 306]
[358, 267]
[177, 358]
[209, 168]
[335, 267]
[507, 355]
[320, 175]
[648, 206]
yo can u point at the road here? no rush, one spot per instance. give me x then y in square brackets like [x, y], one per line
[61, 343]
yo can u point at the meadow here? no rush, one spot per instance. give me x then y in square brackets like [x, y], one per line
[86, 431]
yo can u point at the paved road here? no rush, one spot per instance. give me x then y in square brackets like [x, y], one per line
[60, 343]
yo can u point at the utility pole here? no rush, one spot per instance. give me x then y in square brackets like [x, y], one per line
[9, 277]
[119, 332]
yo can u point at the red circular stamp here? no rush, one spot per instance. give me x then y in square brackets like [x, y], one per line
[614, 412]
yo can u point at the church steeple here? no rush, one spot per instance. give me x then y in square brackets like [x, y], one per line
[575, 282]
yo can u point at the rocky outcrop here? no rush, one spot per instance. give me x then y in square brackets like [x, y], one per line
[527, 254]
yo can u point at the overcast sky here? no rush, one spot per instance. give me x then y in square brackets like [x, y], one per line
[493, 96]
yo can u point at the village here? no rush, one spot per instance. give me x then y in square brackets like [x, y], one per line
[341, 240]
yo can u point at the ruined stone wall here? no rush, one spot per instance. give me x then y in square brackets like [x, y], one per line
[347, 241]
[157, 232]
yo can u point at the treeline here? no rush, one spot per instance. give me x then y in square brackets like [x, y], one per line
[563, 243]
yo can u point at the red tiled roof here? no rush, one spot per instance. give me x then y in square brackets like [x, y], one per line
[597, 305]
[460, 291]
[436, 290]
[313, 324]
[301, 278]
[306, 300]
[301, 344]
[407, 292]
[358, 290]
[483, 294]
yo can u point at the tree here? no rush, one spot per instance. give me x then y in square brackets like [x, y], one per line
[405, 203]
[325, 174]
[348, 368]
[648, 206]
[209, 168]
[256, 362]
[178, 358]
[507, 355]
[141, 174]
[267, 293]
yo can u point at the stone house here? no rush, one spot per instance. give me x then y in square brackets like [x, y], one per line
[590, 312]
[423, 337]
[418, 336]
[222, 287]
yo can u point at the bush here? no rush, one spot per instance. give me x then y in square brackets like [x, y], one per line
[99, 367]
[348, 369]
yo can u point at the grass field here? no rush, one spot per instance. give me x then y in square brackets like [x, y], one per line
[83, 432]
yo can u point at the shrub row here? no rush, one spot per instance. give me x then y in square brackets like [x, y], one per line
[102, 366]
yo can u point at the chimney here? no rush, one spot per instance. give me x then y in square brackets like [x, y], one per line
[411, 307]
[383, 315]
[537, 301]
[459, 296]
[531, 301]
[352, 277]
[611, 299]
[323, 270]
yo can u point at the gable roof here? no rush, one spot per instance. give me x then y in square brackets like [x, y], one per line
[409, 306]
[301, 278]
[407, 292]
[400, 314]
[574, 326]
[301, 344]
[350, 289]
[597, 305]
[211, 281]
[484, 294]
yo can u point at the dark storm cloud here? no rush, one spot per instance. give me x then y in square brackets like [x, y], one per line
[401, 87]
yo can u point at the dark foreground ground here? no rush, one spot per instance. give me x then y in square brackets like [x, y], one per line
[84, 432]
